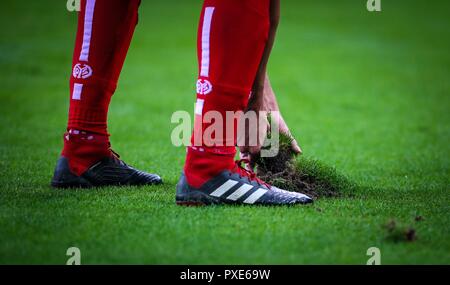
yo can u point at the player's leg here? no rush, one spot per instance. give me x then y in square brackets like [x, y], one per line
[105, 29]
[231, 40]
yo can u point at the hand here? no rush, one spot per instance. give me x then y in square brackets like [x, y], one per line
[284, 129]
[251, 138]
[270, 103]
[252, 153]
[262, 100]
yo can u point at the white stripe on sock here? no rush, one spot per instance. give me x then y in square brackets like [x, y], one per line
[199, 107]
[77, 89]
[255, 196]
[224, 188]
[204, 71]
[88, 19]
[240, 192]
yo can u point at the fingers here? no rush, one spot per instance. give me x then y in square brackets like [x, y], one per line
[295, 147]
[254, 150]
[254, 159]
[294, 144]
[244, 150]
[250, 150]
[284, 129]
[251, 138]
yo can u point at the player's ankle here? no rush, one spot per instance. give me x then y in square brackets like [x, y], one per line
[84, 149]
[201, 166]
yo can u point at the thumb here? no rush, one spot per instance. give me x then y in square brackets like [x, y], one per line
[295, 147]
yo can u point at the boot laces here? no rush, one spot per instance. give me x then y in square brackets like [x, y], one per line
[116, 157]
[248, 172]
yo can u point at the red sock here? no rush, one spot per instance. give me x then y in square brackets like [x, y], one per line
[105, 29]
[231, 39]
[201, 165]
[84, 150]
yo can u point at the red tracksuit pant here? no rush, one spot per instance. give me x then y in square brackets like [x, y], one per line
[232, 36]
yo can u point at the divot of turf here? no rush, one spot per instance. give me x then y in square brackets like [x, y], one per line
[305, 175]
[397, 232]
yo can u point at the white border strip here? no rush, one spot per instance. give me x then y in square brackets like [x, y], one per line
[255, 196]
[88, 19]
[206, 31]
[77, 89]
[224, 188]
[199, 107]
[240, 192]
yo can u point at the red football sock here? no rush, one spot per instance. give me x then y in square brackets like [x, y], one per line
[84, 149]
[231, 39]
[105, 29]
[201, 166]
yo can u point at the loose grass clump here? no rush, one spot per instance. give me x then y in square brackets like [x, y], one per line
[308, 176]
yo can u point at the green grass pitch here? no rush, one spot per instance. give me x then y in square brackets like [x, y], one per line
[367, 93]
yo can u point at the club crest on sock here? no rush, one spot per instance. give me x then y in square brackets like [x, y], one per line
[82, 71]
[203, 87]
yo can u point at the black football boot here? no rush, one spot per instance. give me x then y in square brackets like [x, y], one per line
[110, 171]
[237, 186]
